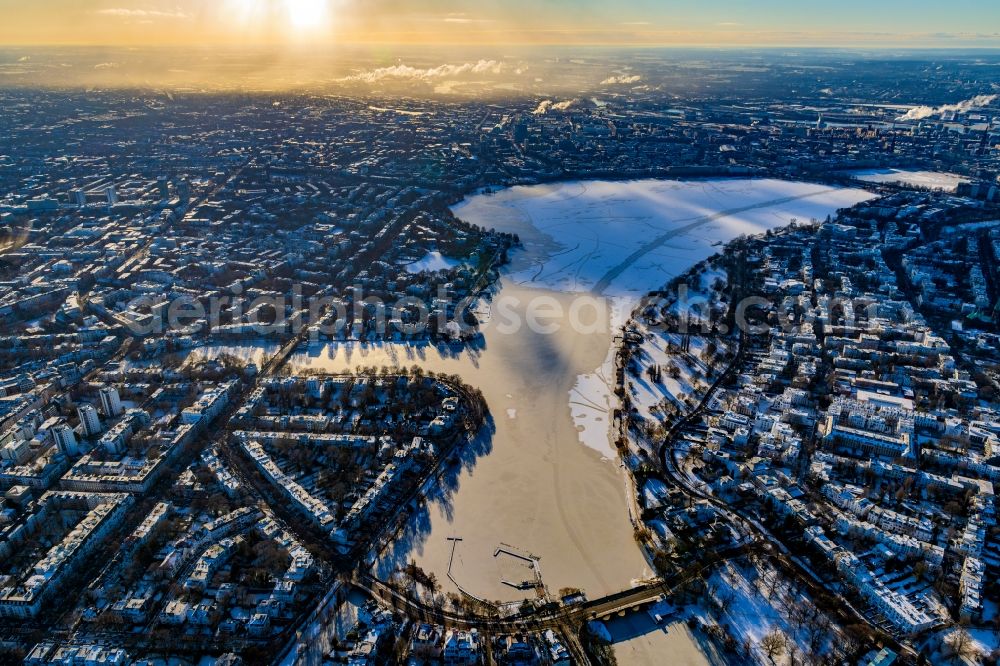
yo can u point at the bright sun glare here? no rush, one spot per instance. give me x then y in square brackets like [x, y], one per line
[299, 16]
[307, 14]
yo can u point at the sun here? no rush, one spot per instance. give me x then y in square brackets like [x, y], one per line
[297, 17]
[307, 14]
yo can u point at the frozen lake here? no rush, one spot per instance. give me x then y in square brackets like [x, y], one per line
[935, 180]
[628, 238]
[545, 481]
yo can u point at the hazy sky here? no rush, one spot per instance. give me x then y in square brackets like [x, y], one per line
[930, 23]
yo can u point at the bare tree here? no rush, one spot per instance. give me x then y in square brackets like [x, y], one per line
[819, 628]
[963, 648]
[773, 644]
[725, 599]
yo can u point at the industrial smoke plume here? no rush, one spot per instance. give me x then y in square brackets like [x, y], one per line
[921, 112]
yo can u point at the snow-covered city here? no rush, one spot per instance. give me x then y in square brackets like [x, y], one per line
[372, 334]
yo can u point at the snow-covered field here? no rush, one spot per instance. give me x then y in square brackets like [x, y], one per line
[646, 394]
[622, 240]
[432, 261]
[757, 601]
[935, 180]
[252, 352]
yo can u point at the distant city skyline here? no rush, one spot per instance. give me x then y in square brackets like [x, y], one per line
[890, 23]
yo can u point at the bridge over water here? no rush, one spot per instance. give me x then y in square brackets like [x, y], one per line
[548, 616]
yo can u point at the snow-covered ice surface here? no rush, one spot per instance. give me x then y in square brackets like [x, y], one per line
[639, 641]
[627, 238]
[621, 240]
[432, 262]
[936, 180]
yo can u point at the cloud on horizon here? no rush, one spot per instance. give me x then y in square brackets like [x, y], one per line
[405, 72]
[125, 12]
[622, 80]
